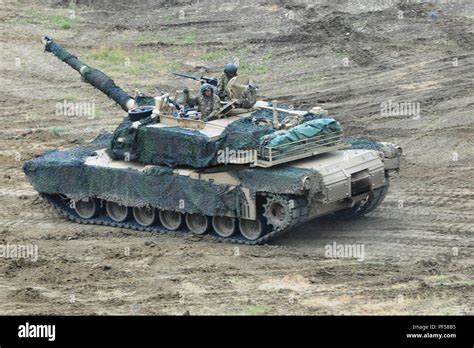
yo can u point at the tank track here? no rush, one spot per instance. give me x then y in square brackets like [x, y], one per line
[62, 206]
[376, 200]
[370, 205]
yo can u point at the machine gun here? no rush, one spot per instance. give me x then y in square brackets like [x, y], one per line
[184, 111]
[203, 79]
[178, 107]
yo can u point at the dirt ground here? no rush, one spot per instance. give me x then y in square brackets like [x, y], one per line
[349, 58]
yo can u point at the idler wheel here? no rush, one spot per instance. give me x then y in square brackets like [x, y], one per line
[171, 220]
[197, 223]
[145, 216]
[224, 226]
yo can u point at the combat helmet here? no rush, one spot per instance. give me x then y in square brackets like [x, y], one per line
[205, 87]
[230, 69]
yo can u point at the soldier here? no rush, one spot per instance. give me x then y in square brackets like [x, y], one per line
[208, 102]
[230, 71]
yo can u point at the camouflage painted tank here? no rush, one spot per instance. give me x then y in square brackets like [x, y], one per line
[245, 177]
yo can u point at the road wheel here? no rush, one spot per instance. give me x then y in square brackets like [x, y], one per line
[251, 229]
[224, 226]
[172, 220]
[145, 216]
[86, 208]
[117, 212]
[197, 223]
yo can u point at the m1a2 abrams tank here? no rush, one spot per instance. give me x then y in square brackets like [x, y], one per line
[245, 177]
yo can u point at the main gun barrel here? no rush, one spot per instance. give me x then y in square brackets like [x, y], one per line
[93, 76]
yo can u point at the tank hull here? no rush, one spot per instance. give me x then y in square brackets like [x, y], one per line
[303, 191]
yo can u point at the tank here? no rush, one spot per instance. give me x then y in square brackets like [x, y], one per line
[245, 177]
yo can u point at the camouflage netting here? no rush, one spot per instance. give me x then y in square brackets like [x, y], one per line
[174, 146]
[362, 143]
[244, 135]
[65, 172]
[170, 146]
[282, 179]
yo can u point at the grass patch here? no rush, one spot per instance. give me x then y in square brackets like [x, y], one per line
[188, 38]
[99, 113]
[214, 55]
[146, 38]
[109, 56]
[71, 97]
[52, 20]
[62, 22]
[175, 66]
[56, 131]
[256, 310]
[341, 54]
[310, 78]
[252, 69]
[184, 39]
[115, 61]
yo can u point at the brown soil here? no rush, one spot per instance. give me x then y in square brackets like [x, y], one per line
[418, 244]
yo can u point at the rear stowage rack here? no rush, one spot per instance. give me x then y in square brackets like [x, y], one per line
[272, 155]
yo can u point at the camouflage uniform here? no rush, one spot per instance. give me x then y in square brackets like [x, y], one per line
[222, 85]
[248, 98]
[208, 106]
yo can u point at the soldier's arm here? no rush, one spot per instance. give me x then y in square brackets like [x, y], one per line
[189, 100]
[222, 91]
[216, 106]
[220, 85]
